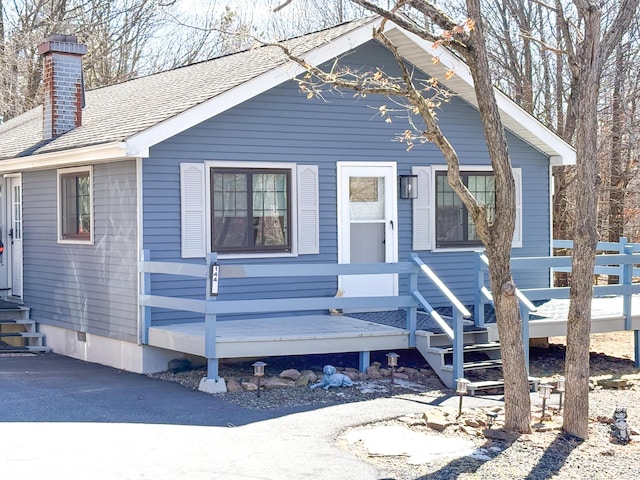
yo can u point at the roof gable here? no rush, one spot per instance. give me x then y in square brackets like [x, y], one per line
[127, 119]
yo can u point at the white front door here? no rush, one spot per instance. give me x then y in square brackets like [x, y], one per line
[367, 221]
[14, 235]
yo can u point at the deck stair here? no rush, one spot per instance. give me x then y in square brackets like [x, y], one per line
[481, 352]
[18, 333]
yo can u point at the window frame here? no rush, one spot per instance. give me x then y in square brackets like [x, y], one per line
[61, 236]
[424, 233]
[465, 243]
[292, 206]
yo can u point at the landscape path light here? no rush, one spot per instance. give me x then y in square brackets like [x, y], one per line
[461, 390]
[560, 389]
[258, 371]
[491, 418]
[545, 393]
[392, 361]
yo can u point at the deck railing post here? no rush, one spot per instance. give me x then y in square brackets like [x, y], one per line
[144, 288]
[524, 315]
[627, 280]
[212, 383]
[412, 312]
[458, 345]
[478, 306]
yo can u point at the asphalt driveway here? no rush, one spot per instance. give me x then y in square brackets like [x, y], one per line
[62, 418]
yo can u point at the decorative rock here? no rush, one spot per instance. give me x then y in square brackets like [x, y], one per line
[178, 365]
[472, 422]
[613, 383]
[291, 374]
[363, 376]
[234, 387]
[436, 420]
[352, 375]
[311, 374]
[305, 380]
[374, 372]
[250, 386]
[275, 382]
[401, 375]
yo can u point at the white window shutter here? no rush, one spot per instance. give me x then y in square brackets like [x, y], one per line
[423, 210]
[308, 210]
[517, 233]
[192, 210]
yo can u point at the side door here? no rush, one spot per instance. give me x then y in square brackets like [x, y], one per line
[14, 234]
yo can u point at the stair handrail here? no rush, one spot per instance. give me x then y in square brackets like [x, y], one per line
[526, 306]
[455, 334]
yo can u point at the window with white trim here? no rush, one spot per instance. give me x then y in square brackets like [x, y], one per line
[440, 219]
[249, 209]
[454, 225]
[75, 205]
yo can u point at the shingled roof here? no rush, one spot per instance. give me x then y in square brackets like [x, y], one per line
[126, 119]
[116, 112]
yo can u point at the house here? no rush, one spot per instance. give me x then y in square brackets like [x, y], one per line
[228, 156]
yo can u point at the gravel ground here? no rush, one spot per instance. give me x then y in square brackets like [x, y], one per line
[540, 455]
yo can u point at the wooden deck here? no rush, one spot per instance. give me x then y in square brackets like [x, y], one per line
[550, 320]
[307, 334]
[293, 335]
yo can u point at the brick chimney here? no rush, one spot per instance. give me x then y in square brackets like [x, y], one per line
[63, 87]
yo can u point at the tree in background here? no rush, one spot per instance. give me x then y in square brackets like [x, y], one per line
[125, 38]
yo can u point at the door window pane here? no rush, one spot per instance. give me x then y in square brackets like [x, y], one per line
[366, 198]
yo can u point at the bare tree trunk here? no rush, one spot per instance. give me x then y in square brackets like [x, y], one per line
[618, 162]
[498, 245]
[585, 88]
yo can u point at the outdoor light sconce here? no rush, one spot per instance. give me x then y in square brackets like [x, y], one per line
[408, 186]
[545, 393]
[258, 371]
[392, 361]
[560, 389]
[461, 389]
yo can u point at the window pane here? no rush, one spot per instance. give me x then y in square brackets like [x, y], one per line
[75, 204]
[454, 226]
[250, 210]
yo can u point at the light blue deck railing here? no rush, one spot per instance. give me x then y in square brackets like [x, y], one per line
[621, 264]
[212, 306]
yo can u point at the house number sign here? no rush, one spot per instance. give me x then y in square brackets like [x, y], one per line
[215, 276]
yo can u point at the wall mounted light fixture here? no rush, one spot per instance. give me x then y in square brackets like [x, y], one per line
[408, 186]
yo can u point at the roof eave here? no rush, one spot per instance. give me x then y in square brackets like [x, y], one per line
[106, 152]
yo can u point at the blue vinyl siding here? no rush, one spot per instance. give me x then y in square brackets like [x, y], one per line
[281, 125]
[89, 288]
